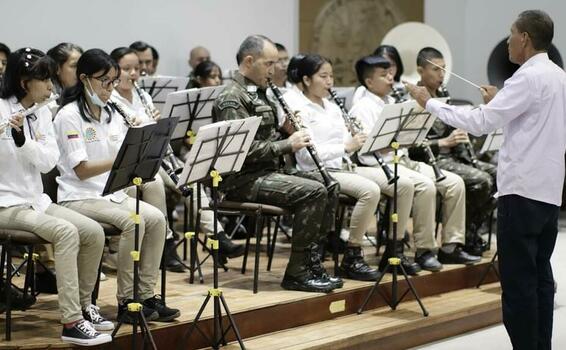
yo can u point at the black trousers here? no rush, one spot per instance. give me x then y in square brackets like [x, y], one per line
[526, 237]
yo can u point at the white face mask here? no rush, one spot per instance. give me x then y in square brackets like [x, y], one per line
[94, 96]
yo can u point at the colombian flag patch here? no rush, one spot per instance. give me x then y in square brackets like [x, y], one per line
[72, 134]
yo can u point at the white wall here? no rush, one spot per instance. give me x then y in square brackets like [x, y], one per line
[172, 26]
[474, 27]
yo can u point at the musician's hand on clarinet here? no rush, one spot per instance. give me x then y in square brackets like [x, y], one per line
[355, 143]
[488, 92]
[299, 139]
[419, 93]
[456, 137]
[17, 121]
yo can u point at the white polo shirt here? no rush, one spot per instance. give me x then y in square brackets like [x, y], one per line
[21, 167]
[81, 140]
[136, 106]
[367, 110]
[328, 133]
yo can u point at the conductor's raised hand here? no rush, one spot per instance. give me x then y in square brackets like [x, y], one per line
[488, 92]
[419, 93]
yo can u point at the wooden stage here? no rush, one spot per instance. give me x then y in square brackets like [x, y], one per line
[279, 319]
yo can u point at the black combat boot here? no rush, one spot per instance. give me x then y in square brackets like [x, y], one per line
[228, 248]
[299, 275]
[171, 259]
[355, 267]
[318, 268]
[394, 249]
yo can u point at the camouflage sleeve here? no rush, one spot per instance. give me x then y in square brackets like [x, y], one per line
[262, 149]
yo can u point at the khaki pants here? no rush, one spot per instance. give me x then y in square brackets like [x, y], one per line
[152, 230]
[366, 192]
[78, 242]
[405, 193]
[453, 192]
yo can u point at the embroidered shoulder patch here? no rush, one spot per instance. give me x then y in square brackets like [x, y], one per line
[72, 134]
[228, 104]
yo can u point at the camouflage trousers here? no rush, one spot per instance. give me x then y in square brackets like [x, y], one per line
[480, 187]
[304, 195]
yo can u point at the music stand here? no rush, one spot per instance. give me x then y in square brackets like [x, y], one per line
[138, 160]
[219, 148]
[493, 142]
[402, 124]
[193, 107]
[158, 87]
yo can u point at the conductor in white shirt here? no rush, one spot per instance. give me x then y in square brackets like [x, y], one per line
[531, 108]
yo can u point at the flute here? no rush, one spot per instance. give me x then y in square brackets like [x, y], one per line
[31, 110]
[355, 128]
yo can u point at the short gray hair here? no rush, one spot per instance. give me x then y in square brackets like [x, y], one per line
[252, 45]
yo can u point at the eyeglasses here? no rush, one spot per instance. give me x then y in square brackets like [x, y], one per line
[106, 83]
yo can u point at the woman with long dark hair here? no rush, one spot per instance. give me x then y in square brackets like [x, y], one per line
[29, 148]
[90, 134]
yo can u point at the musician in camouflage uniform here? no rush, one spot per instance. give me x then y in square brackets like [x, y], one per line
[263, 178]
[449, 146]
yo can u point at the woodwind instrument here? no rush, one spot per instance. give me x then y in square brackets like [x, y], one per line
[129, 119]
[355, 127]
[468, 145]
[31, 109]
[169, 155]
[438, 174]
[329, 181]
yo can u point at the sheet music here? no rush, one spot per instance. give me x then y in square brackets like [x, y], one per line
[493, 141]
[193, 107]
[233, 137]
[406, 122]
[158, 87]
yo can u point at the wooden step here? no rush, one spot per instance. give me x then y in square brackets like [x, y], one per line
[450, 314]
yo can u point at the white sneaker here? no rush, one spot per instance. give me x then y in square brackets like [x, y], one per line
[103, 276]
[91, 313]
[83, 333]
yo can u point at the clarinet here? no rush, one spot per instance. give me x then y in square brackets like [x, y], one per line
[438, 174]
[129, 120]
[399, 94]
[329, 181]
[169, 155]
[355, 128]
[468, 145]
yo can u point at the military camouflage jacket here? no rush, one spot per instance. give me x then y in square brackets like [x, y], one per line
[242, 99]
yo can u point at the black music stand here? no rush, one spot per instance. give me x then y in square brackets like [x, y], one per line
[193, 107]
[402, 124]
[158, 87]
[139, 160]
[219, 148]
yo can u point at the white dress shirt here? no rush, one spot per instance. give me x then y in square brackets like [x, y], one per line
[531, 108]
[21, 167]
[328, 133]
[81, 140]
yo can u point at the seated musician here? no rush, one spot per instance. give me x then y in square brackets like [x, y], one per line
[451, 147]
[263, 179]
[29, 148]
[329, 133]
[378, 80]
[90, 134]
[206, 73]
[146, 56]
